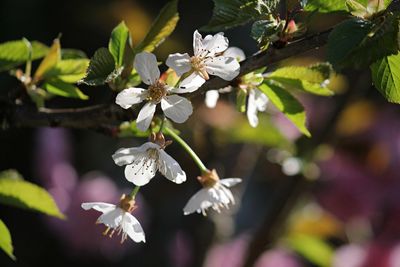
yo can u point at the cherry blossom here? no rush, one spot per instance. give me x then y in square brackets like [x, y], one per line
[118, 219]
[143, 162]
[208, 59]
[215, 194]
[175, 107]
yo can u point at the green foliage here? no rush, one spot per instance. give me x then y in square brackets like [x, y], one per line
[232, 13]
[61, 88]
[67, 53]
[307, 79]
[14, 191]
[264, 134]
[5, 240]
[312, 248]
[15, 53]
[267, 31]
[162, 27]
[366, 10]
[358, 43]
[326, 6]
[68, 70]
[287, 104]
[386, 77]
[101, 68]
[119, 46]
[50, 60]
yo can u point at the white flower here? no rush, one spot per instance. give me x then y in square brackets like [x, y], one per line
[118, 219]
[213, 95]
[143, 162]
[175, 107]
[207, 60]
[215, 194]
[257, 101]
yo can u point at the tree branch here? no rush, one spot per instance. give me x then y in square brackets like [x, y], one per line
[104, 117]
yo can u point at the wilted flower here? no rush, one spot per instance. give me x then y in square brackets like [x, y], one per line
[207, 59]
[175, 107]
[118, 218]
[143, 162]
[215, 194]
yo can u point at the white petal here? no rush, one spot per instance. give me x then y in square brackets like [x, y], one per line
[219, 196]
[261, 100]
[170, 168]
[128, 97]
[228, 194]
[99, 206]
[145, 116]
[215, 44]
[146, 65]
[199, 201]
[131, 226]
[226, 68]
[176, 108]
[236, 53]
[211, 98]
[112, 218]
[190, 84]
[124, 156]
[229, 182]
[141, 171]
[197, 43]
[180, 63]
[252, 109]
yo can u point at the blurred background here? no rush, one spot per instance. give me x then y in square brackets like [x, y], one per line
[336, 203]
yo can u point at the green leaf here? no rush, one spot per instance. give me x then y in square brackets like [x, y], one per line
[101, 66]
[5, 240]
[386, 77]
[326, 6]
[60, 88]
[51, 59]
[357, 43]
[307, 79]
[287, 104]
[67, 53]
[69, 70]
[15, 53]
[231, 13]
[267, 31]
[312, 248]
[356, 9]
[161, 28]
[119, 42]
[23, 194]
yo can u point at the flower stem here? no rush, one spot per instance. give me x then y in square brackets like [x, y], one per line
[162, 124]
[188, 149]
[134, 192]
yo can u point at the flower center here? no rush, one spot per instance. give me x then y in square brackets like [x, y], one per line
[127, 203]
[159, 139]
[198, 66]
[152, 153]
[209, 179]
[157, 91]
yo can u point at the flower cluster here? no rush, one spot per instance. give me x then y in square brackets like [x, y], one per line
[211, 57]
